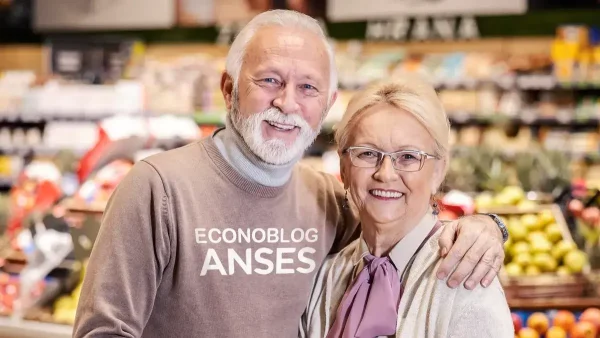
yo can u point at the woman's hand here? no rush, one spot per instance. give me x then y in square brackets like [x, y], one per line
[475, 244]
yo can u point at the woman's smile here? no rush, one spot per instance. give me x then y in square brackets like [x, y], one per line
[386, 194]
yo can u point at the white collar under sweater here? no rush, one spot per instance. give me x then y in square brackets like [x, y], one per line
[236, 152]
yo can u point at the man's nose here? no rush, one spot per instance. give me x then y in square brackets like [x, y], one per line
[286, 100]
[386, 171]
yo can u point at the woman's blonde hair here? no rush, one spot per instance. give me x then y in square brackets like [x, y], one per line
[412, 95]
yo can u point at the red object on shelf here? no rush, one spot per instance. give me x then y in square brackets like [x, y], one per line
[90, 159]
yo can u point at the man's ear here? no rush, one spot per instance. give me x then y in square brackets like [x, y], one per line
[227, 89]
[333, 98]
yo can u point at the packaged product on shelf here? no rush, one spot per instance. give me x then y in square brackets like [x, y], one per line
[511, 103]
[37, 189]
[182, 86]
[575, 34]
[45, 251]
[595, 67]
[378, 66]
[97, 190]
[13, 87]
[564, 57]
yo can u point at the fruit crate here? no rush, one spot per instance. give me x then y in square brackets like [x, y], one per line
[542, 260]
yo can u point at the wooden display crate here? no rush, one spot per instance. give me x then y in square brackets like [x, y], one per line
[548, 284]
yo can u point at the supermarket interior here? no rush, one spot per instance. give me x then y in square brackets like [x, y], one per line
[88, 87]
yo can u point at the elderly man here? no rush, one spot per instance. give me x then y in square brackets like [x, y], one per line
[222, 238]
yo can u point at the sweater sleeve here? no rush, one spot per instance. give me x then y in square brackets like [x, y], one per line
[481, 313]
[130, 253]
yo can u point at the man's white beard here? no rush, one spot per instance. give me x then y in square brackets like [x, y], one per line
[273, 151]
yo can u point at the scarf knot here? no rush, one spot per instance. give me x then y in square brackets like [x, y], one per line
[370, 307]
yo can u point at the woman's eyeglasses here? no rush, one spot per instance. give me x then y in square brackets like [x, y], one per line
[404, 160]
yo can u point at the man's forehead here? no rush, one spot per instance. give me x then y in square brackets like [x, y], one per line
[276, 40]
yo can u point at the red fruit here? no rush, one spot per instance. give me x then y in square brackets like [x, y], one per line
[539, 322]
[528, 332]
[556, 332]
[590, 215]
[583, 330]
[591, 315]
[576, 207]
[564, 319]
[517, 322]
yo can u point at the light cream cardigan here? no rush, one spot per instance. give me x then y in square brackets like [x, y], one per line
[428, 308]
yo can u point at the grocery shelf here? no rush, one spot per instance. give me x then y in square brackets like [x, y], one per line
[456, 118]
[554, 303]
[10, 328]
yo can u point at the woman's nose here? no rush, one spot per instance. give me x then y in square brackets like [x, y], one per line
[386, 171]
[286, 100]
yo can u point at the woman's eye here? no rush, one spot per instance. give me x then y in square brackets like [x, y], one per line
[368, 154]
[408, 157]
[308, 87]
[270, 80]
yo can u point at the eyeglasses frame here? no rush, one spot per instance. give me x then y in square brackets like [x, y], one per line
[383, 154]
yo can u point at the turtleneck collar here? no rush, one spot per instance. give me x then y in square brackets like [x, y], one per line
[236, 152]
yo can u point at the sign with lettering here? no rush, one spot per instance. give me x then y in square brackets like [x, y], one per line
[349, 10]
[422, 29]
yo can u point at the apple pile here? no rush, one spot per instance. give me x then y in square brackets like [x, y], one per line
[536, 245]
[562, 324]
[508, 196]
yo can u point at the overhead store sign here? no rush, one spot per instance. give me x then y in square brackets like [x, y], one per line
[349, 10]
[103, 14]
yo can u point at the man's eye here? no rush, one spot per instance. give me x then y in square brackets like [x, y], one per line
[308, 87]
[270, 80]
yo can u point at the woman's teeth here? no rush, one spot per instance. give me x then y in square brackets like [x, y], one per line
[281, 126]
[386, 194]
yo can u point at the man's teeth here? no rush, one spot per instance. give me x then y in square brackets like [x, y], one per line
[281, 126]
[387, 194]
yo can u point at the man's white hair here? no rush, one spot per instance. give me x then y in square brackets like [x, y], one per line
[283, 18]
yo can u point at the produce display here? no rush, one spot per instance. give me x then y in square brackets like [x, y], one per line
[557, 324]
[539, 245]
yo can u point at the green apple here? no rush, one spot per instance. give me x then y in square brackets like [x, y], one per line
[541, 245]
[527, 205]
[513, 269]
[563, 271]
[531, 222]
[545, 262]
[514, 194]
[484, 201]
[517, 231]
[575, 260]
[536, 235]
[553, 232]
[520, 247]
[546, 217]
[523, 259]
[561, 248]
[532, 270]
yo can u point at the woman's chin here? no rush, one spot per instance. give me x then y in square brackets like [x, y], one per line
[385, 216]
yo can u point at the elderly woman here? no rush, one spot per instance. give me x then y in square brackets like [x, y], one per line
[394, 153]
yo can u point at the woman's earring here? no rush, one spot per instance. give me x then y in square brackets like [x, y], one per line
[436, 210]
[346, 205]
